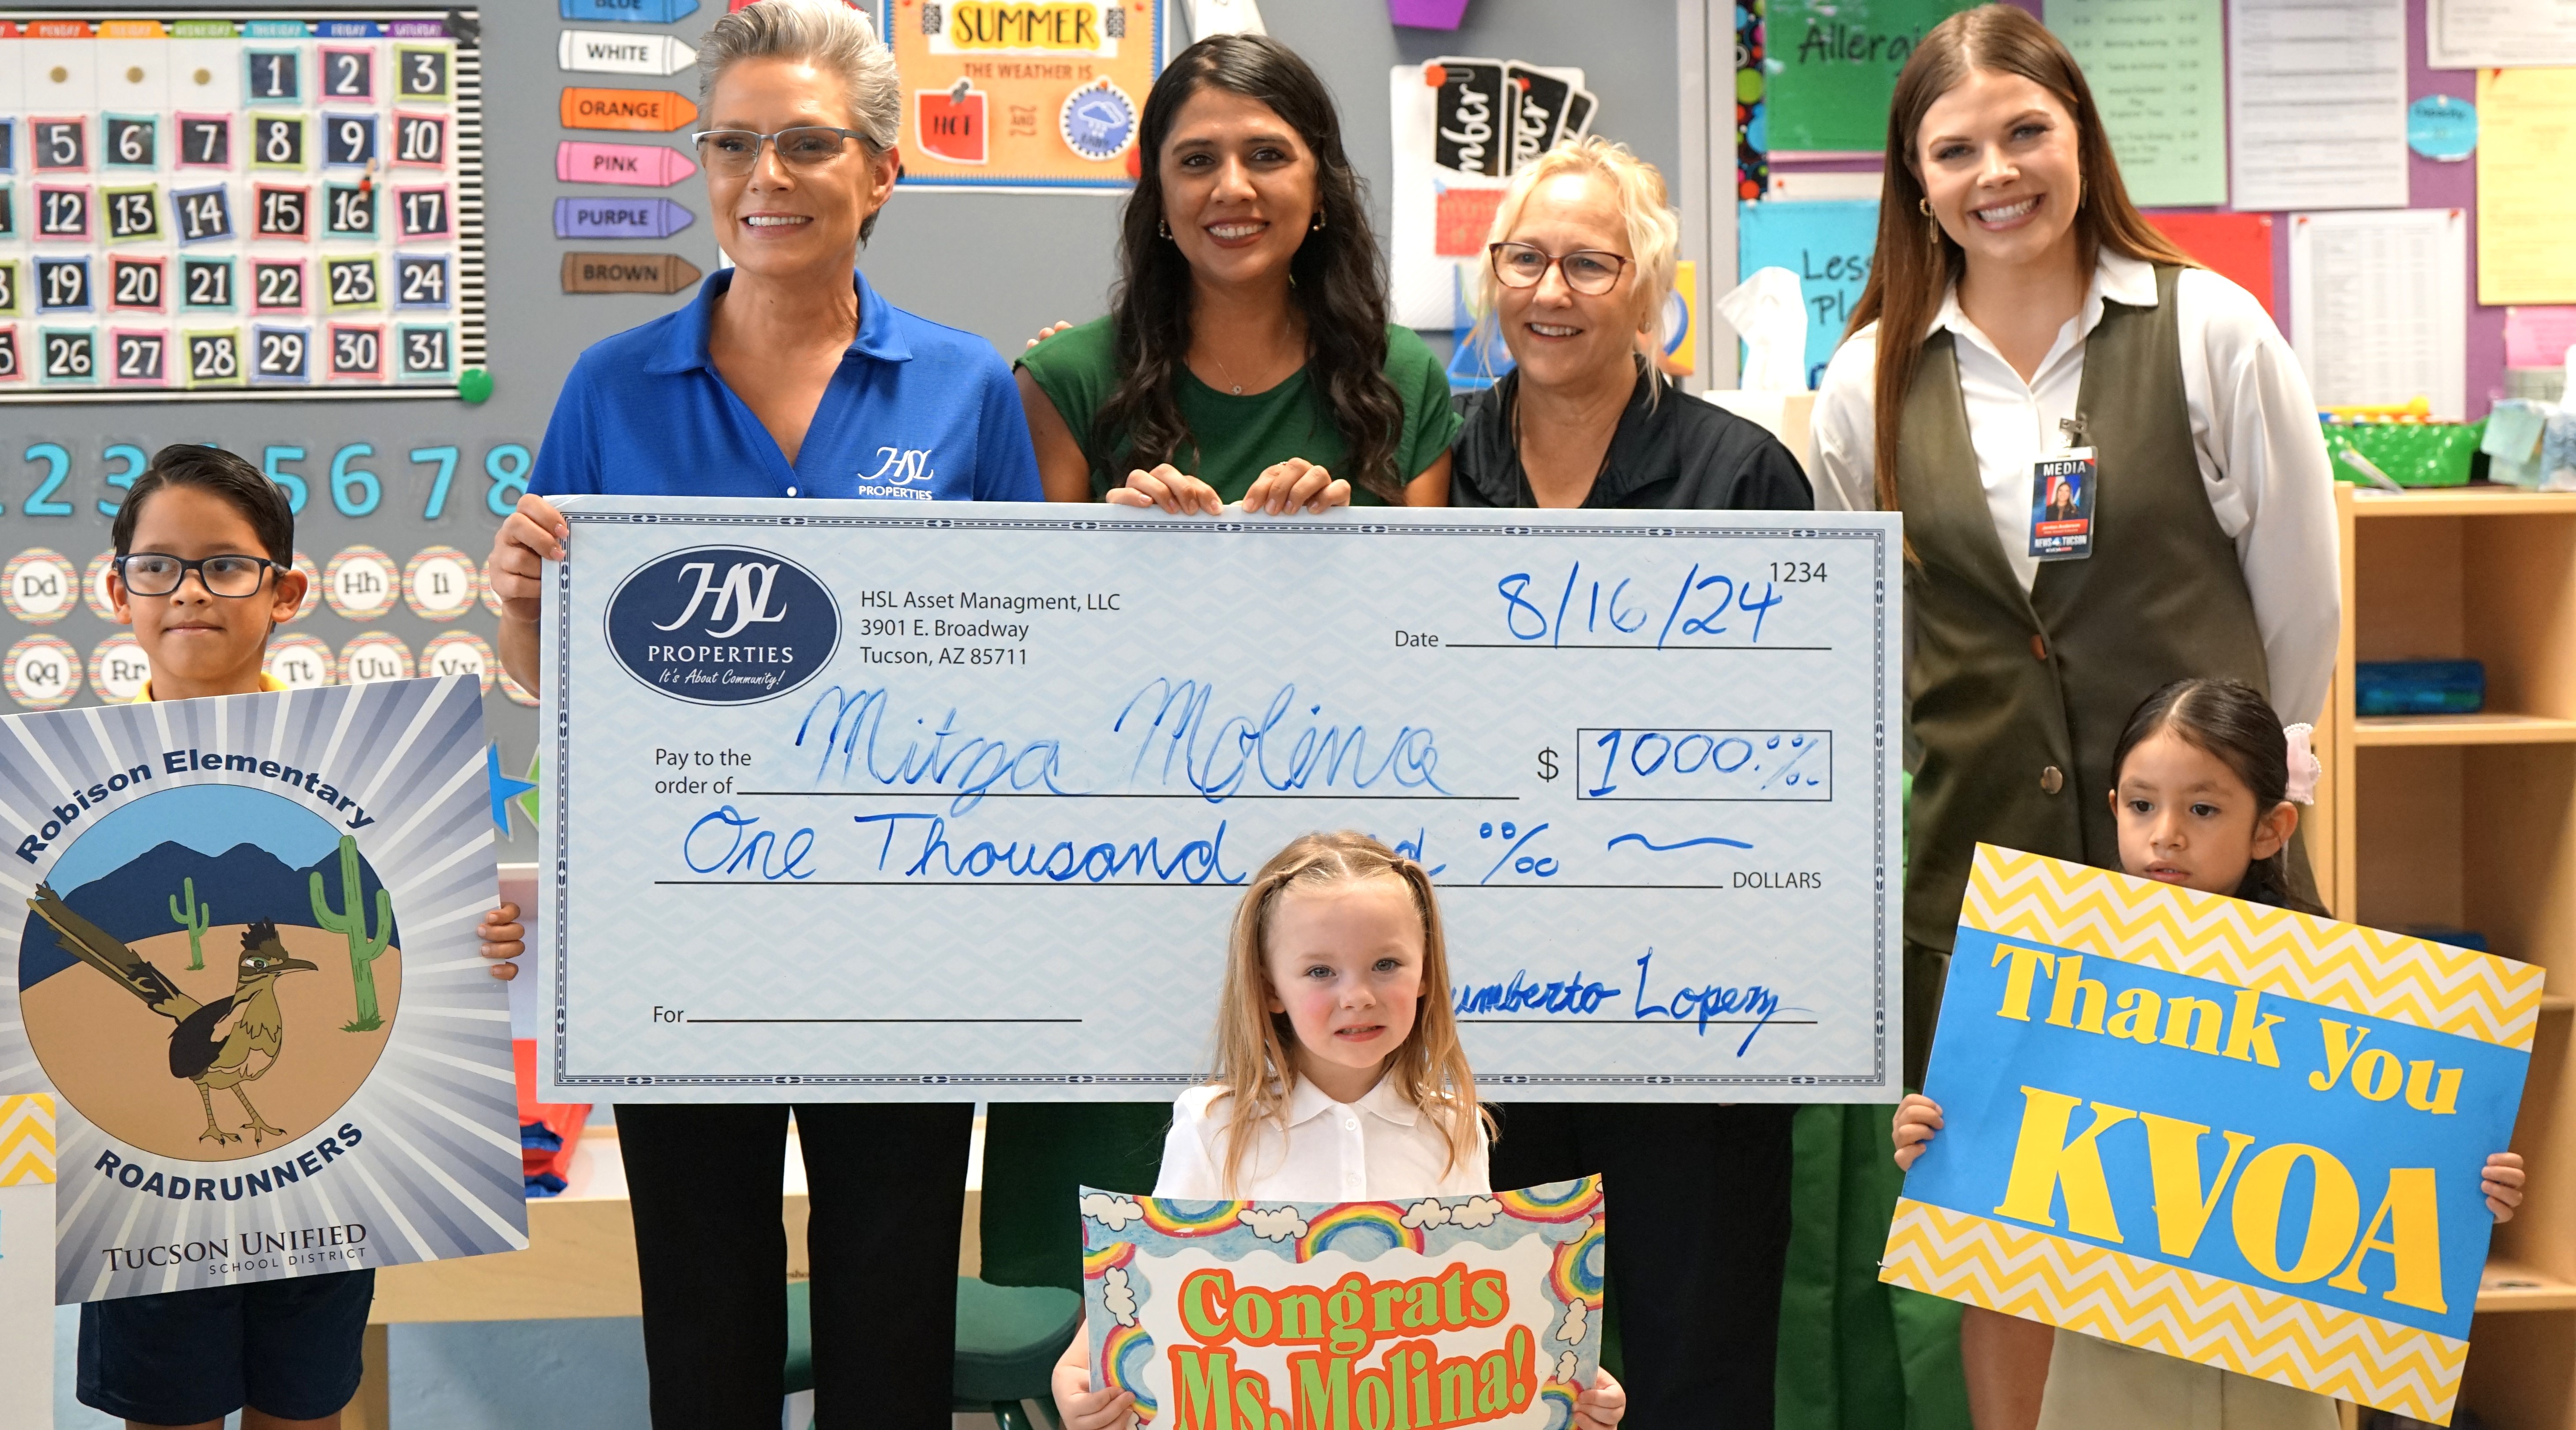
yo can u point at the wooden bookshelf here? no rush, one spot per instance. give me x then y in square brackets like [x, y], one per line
[2469, 821]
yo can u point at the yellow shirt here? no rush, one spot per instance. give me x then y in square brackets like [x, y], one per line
[267, 683]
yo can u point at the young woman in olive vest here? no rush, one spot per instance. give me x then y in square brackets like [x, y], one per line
[2019, 305]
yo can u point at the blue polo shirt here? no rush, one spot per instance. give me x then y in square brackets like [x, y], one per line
[917, 411]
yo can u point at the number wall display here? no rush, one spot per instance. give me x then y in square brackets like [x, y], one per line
[238, 204]
[417, 603]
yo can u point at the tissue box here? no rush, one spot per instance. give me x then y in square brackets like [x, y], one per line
[2419, 687]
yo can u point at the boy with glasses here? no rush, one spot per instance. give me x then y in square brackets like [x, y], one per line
[203, 572]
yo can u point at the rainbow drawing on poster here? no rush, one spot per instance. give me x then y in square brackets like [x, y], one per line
[1358, 1221]
[2334, 1089]
[1456, 1309]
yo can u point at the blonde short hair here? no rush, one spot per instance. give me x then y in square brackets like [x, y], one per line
[827, 34]
[1654, 229]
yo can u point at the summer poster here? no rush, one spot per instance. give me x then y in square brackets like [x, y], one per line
[1028, 96]
[2217, 1130]
[1428, 1313]
[248, 973]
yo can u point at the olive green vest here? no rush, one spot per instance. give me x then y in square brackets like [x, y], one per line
[2018, 700]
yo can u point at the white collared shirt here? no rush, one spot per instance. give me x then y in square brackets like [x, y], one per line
[1381, 1148]
[2254, 430]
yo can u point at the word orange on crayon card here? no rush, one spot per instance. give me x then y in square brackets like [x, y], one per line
[654, 111]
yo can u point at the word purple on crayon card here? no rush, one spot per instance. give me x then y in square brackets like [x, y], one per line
[1429, 1313]
[620, 218]
[641, 166]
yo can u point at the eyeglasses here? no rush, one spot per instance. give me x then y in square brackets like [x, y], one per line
[736, 152]
[1588, 271]
[149, 573]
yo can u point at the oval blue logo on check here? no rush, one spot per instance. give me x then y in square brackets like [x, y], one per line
[723, 625]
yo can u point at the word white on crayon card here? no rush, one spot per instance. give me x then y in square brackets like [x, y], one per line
[852, 800]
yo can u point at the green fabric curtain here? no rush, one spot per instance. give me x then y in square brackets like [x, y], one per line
[1856, 1354]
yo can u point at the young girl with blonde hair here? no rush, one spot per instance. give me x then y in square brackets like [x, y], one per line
[1339, 1073]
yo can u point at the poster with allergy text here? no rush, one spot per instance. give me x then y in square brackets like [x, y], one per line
[246, 966]
[1427, 1313]
[2217, 1130]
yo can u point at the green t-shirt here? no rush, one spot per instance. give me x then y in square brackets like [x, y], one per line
[1238, 437]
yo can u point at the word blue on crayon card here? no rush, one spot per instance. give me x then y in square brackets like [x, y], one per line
[633, 12]
[1828, 244]
[2216, 1130]
[620, 218]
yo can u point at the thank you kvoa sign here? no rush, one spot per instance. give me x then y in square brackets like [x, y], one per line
[723, 625]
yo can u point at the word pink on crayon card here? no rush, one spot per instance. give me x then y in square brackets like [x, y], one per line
[642, 166]
[1429, 1313]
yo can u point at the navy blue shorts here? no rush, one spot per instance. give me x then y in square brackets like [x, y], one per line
[288, 1347]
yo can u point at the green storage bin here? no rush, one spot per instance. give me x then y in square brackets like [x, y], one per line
[2413, 454]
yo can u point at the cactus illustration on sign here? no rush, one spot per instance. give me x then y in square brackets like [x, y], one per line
[194, 919]
[352, 925]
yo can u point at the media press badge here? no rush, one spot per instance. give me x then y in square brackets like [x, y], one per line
[2061, 505]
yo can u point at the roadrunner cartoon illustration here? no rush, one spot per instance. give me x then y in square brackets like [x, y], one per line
[223, 1044]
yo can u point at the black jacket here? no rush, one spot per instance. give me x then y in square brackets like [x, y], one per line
[1680, 454]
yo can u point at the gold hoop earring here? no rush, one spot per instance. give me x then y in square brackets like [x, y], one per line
[1924, 205]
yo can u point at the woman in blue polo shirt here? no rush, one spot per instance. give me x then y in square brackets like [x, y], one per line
[788, 377]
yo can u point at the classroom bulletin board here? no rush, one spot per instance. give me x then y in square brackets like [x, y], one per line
[280, 230]
[2432, 246]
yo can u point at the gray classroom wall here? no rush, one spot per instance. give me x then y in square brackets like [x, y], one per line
[999, 265]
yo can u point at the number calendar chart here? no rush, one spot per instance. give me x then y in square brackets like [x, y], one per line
[228, 204]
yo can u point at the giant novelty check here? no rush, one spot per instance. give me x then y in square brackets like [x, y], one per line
[957, 803]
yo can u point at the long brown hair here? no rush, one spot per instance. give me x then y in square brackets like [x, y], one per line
[1916, 262]
[1256, 1062]
[1337, 280]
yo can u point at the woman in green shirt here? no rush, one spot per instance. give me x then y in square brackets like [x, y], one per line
[1246, 356]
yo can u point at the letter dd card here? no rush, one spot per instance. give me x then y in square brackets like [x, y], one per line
[242, 958]
[1433, 1312]
[2216, 1130]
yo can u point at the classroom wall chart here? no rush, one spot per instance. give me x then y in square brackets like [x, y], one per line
[239, 205]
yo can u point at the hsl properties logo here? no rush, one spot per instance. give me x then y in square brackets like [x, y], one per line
[723, 625]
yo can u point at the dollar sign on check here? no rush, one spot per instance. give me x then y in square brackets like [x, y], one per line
[1547, 769]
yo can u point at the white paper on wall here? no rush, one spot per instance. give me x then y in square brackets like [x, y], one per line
[2379, 307]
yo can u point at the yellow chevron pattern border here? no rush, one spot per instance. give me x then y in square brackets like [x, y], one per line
[26, 1139]
[2360, 970]
[2173, 1311]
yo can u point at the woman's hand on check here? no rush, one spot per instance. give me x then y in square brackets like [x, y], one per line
[1296, 485]
[534, 534]
[1168, 487]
